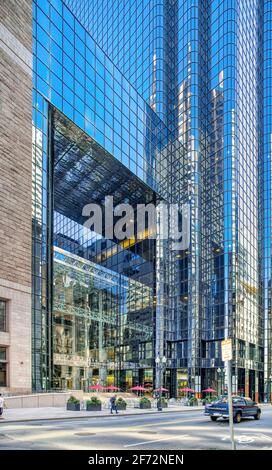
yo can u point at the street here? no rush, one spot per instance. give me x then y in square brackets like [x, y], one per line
[171, 431]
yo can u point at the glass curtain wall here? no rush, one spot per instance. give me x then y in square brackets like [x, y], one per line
[104, 290]
[266, 240]
[193, 133]
[73, 75]
[132, 34]
[41, 239]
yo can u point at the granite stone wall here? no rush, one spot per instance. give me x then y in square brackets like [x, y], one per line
[15, 186]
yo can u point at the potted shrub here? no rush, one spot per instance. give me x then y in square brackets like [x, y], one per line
[121, 404]
[163, 402]
[193, 401]
[94, 404]
[73, 404]
[206, 401]
[145, 403]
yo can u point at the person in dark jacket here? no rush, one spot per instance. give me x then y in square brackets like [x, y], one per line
[1, 405]
[113, 405]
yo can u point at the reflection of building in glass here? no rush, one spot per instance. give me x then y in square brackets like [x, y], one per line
[103, 308]
[215, 112]
[145, 101]
[97, 315]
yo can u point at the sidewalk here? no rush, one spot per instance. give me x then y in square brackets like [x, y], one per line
[18, 415]
[50, 413]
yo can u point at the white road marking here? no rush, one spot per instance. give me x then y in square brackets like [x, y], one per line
[264, 436]
[157, 440]
[245, 439]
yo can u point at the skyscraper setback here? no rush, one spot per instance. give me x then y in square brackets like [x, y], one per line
[149, 101]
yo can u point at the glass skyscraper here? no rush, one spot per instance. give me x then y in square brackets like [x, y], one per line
[150, 101]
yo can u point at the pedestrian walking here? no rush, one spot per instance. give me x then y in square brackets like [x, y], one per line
[113, 405]
[1, 405]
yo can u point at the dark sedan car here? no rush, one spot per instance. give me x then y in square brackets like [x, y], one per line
[242, 408]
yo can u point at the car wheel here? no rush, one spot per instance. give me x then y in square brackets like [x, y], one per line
[238, 418]
[257, 415]
[213, 418]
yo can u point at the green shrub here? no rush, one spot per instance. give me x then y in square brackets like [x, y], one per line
[213, 399]
[93, 401]
[163, 400]
[206, 401]
[121, 401]
[73, 400]
[193, 401]
[144, 400]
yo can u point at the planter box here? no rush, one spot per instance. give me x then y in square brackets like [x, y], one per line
[73, 406]
[145, 406]
[93, 407]
[161, 405]
[122, 407]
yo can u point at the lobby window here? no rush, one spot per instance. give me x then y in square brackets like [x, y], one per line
[251, 351]
[3, 315]
[3, 366]
[242, 348]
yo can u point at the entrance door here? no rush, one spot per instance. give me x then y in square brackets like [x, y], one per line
[252, 384]
[69, 383]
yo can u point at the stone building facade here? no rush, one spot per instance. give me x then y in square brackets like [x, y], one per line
[15, 194]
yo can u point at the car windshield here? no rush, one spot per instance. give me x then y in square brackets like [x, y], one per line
[224, 399]
[237, 399]
[221, 400]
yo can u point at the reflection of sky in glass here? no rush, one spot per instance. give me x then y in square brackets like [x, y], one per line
[267, 189]
[133, 35]
[76, 76]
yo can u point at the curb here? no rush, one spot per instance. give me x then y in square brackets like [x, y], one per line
[3, 421]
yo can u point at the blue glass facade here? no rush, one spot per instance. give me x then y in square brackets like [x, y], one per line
[176, 96]
[74, 76]
[133, 36]
[266, 193]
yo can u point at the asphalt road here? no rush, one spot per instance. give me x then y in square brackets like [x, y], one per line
[171, 431]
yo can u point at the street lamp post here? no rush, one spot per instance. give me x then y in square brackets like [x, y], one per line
[221, 374]
[160, 365]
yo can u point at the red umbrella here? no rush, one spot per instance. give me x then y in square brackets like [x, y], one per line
[161, 389]
[209, 390]
[96, 387]
[138, 389]
[186, 389]
[111, 387]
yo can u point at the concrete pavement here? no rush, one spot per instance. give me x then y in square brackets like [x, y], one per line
[151, 431]
[60, 413]
[53, 413]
